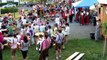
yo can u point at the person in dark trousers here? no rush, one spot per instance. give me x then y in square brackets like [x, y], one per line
[1, 48]
[44, 48]
[24, 47]
[71, 15]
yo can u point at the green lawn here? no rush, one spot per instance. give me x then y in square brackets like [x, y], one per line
[92, 50]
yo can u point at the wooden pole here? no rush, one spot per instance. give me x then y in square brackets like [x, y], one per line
[104, 47]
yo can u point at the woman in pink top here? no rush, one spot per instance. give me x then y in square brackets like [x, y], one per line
[1, 37]
[1, 46]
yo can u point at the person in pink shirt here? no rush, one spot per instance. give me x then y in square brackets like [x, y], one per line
[1, 46]
[64, 16]
[1, 37]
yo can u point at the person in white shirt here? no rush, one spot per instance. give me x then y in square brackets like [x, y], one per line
[57, 20]
[24, 21]
[22, 30]
[67, 31]
[50, 31]
[36, 28]
[39, 42]
[14, 47]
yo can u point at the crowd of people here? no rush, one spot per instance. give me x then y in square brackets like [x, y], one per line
[32, 29]
[35, 28]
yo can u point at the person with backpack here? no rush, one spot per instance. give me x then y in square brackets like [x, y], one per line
[58, 42]
[44, 47]
[24, 47]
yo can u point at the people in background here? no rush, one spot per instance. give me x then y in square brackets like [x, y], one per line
[10, 30]
[31, 32]
[82, 18]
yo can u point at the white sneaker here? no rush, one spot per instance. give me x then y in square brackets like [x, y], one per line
[36, 48]
[53, 44]
[63, 47]
[57, 58]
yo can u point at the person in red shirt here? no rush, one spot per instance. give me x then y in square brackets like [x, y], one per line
[82, 18]
[77, 17]
[70, 15]
[50, 13]
[64, 15]
[87, 18]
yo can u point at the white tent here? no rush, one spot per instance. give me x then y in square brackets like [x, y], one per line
[92, 7]
[76, 3]
[102, 1]
[99, 1]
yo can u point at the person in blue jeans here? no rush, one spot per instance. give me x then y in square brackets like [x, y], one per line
[98, 30]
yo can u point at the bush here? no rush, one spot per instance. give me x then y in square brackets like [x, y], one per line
[104, 28]
[7, 10]
[1, 4]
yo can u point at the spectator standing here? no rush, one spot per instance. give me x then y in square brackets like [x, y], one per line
[1, 46]
[44, 48]
[14, 47]
[57, 20]
[31, 31]
[67, 31]
[10, 30]
[36, 28]
[97, 30]
[24, 47]
[58, 42]
[42, 28]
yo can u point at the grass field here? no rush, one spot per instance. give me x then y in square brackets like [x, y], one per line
[93, 50]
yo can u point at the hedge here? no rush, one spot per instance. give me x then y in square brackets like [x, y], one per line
[7, 10]
[1, 4]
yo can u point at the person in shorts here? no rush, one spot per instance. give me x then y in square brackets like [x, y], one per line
[58, 43]
[14, 47]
